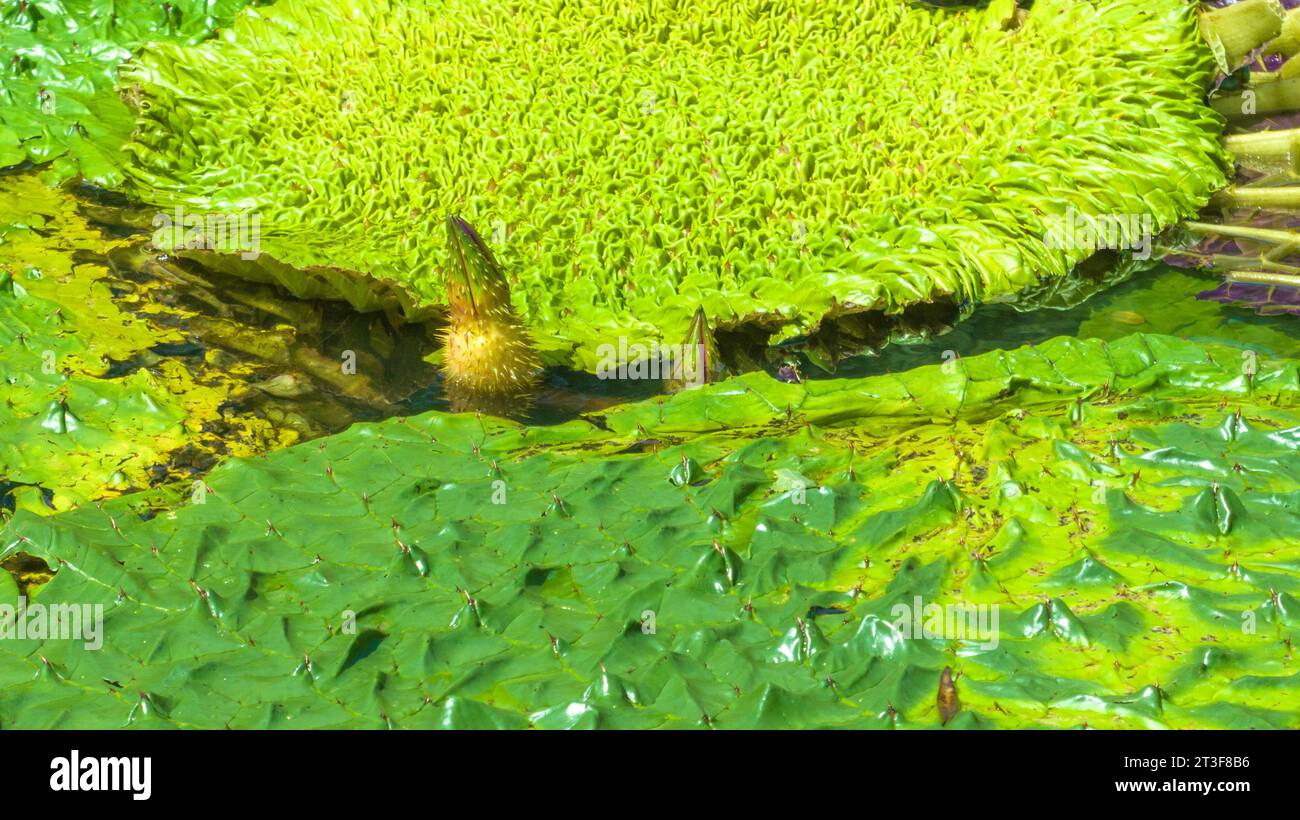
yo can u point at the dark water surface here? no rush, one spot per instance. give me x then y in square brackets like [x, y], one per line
[404, 381]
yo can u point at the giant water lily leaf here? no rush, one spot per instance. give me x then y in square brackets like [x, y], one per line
[72, 430]
[747, 554]
[59, 99]
[788, 162]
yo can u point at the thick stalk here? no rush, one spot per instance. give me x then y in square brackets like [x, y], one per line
[1267, 235]
[1237, 197]
[1226, 262]
[1231, 263]
[1258, 277]
[1288, 42]
[1265, 149]
[1269, 98]
[1235, 31]
[1279, 252]
[1263, 143]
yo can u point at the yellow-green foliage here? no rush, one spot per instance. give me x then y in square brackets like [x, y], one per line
[58, 101]
[630, 162]
[72, 431]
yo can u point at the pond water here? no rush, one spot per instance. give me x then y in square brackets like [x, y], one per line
[281, 361]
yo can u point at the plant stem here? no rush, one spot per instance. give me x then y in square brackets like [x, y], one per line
[1264, 143]
[1233, 32]
[1226, 262]
[1237, 197]
[1220, 260]
[1269, 98]
[1269, 235]
[1264, 151]
[1258, 277]
[1279, 252]
[1288, 42]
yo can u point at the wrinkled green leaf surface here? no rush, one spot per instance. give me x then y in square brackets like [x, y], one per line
[728, 557]
[796, 160]
[58, 98]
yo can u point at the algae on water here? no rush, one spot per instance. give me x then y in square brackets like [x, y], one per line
[72, 431]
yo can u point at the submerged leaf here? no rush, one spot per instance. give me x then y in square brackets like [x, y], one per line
[1266, 300]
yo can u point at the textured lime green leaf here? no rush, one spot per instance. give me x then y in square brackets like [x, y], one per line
[59, 99]
[795, 162]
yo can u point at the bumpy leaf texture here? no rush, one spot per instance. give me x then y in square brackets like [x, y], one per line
[781, 162]
[59, 100]
[734, 556]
